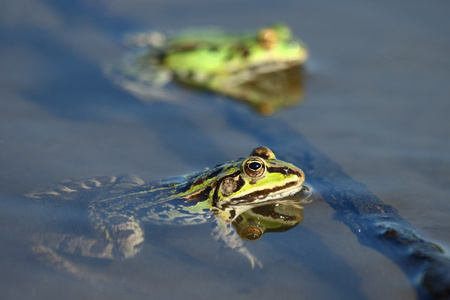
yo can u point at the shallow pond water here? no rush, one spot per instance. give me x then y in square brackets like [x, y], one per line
[376, 104]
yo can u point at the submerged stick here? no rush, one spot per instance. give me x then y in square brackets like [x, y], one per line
[377, 225]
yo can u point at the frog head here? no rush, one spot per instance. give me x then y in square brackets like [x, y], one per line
[258, 178]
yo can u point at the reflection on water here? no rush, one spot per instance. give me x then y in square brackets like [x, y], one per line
[261, 68]
[269, 92]
[62, 119]
[281, 216]
[256, 194]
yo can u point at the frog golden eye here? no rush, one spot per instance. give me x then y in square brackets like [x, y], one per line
[267, 38]
[263, 152]
[254, 167]
[251, 233]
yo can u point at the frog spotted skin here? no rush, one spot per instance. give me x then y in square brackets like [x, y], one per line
[215, 61]
[218, 61]
[117, 207]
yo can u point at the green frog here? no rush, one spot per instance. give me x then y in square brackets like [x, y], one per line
[212, 60]
[248, 193]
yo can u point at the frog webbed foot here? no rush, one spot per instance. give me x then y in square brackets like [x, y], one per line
[59, 250]
[120, 241]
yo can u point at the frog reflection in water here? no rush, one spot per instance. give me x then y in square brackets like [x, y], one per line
[280, 216]
[220, 62]
[234, 192]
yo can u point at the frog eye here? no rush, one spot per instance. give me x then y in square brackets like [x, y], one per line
[254, 167]
[251, 233]
[263, 152]
[267, 38]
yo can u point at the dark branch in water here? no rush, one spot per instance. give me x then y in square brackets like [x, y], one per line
[376, 224]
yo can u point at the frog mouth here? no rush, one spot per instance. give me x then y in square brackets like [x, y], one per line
[274, 193]
[247, 75]
[289, 189]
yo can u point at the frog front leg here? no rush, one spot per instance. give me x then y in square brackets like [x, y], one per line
[224, 232]
[122, 236]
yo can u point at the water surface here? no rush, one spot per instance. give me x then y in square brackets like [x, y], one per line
[376, 103]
